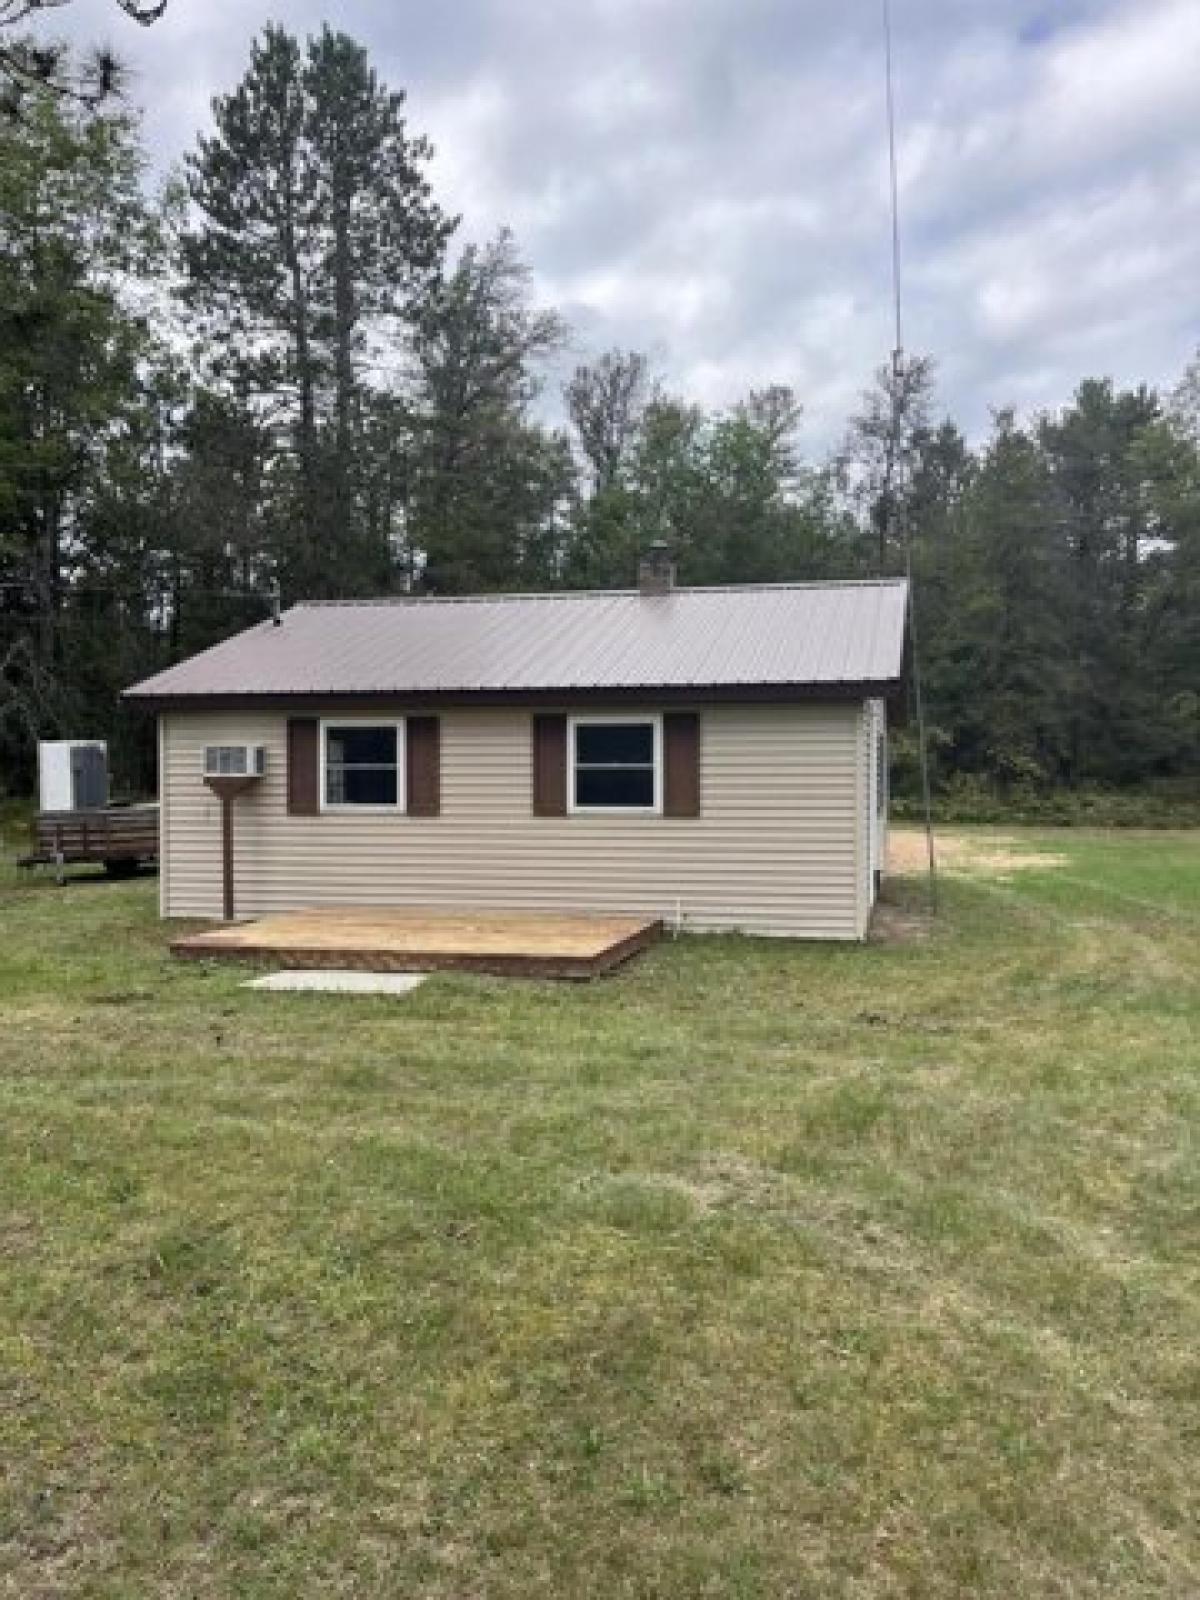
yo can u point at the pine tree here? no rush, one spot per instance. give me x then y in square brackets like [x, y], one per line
[490, 487]
[1005, 698]
[31, 68]
[879, 454]
[606, 401]
[73, 387]
[1170, 656]
[1095, 450]
[316, 239]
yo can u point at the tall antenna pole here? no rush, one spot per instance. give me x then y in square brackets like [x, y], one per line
[894, 176]
[898, 509]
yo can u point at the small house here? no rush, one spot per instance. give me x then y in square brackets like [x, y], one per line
[715, 757]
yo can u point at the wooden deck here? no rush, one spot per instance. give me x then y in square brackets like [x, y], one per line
[369, 940]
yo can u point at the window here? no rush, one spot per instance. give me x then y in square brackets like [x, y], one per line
[361, 765]
[616, 764]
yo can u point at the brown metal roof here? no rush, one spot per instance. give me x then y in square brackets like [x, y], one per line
[772, 635]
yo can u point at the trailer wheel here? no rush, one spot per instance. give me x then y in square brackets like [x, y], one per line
[121, 866]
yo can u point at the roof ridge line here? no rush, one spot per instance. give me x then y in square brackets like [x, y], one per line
[597, 594]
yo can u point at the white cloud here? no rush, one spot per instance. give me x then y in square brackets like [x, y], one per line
[705, 179]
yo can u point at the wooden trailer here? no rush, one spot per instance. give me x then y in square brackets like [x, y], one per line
[119, 838]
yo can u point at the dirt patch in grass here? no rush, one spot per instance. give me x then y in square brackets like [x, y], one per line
[716, 1182]
[986, 855]
[896, 924]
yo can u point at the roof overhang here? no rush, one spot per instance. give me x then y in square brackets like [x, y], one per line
[670, 695]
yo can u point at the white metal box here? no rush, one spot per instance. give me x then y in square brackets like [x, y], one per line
[72, 775]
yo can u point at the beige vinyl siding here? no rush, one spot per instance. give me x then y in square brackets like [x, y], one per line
[862, 820]
[776, 850]
[872, 824]
[164, 865]
[878, 798]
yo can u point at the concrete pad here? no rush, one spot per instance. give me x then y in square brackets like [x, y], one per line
[323, 980]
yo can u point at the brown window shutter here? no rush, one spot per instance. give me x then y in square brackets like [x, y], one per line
[681, 764]
[303, 766]
[550, 765]
[423, 766]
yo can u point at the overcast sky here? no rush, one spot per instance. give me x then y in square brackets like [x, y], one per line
[706, 179]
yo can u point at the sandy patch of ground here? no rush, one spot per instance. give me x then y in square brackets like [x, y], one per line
[966, 855]
[891, 924]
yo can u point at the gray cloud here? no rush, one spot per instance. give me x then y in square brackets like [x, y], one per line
[705, 179]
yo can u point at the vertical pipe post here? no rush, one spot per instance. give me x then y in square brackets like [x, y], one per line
[227, 787]
[227, 857]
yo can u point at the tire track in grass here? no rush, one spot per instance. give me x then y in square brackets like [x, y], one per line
[1147, 949]
[1174, 913]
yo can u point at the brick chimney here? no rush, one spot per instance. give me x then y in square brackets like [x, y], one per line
[656, 570]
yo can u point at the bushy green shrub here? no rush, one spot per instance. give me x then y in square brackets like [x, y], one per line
[968, 798]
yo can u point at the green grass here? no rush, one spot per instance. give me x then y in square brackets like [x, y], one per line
[756, 1270]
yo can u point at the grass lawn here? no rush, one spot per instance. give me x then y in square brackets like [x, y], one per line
[757, 1270]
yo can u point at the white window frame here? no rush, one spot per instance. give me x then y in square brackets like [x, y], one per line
[348, 808]
[607, 719]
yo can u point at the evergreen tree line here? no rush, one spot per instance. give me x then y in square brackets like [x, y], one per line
[282, 369]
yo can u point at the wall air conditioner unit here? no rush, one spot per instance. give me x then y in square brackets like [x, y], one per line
[235, 760]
